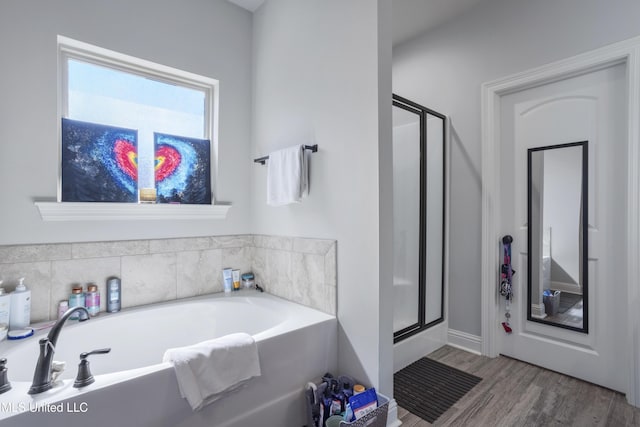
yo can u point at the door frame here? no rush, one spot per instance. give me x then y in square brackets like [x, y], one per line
[627, 53]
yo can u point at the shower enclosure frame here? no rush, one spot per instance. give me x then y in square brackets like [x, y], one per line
[421, 324]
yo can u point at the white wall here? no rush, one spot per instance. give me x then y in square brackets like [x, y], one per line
[211, 38]
[444, 69]
[317, 68]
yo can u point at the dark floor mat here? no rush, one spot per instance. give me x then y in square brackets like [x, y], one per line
[428, 388]
[567, 301]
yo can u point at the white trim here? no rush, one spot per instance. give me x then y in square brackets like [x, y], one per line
[627, 52]
[67, 211]
[392, 414]
[490, 222]
[131, 63]
[571, 288]
[447, 220]
[464, 341]
[74, 49]
[537, 311]
[633, 225]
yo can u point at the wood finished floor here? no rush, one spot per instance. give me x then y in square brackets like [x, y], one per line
[571, 317]
[514, 393]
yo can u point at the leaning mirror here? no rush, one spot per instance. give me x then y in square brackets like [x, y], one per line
[557, 243]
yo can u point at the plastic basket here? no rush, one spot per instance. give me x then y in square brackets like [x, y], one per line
[551, 303]
[375, 418]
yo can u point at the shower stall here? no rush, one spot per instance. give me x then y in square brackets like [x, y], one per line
[418, 218]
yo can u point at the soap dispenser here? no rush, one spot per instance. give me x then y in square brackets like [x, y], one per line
[20, 315]
[5, 308]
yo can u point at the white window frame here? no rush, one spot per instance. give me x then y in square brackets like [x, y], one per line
[69, 211]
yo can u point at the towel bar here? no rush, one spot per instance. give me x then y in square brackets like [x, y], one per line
[262, 160]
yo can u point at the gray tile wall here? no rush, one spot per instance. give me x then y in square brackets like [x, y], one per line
[299, 269]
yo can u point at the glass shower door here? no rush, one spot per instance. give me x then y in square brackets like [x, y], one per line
[418, 217]
[407, 123]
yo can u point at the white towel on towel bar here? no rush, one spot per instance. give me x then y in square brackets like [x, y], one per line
[287, 176]
[208, 370]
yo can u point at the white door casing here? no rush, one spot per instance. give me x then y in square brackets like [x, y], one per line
[627, 54]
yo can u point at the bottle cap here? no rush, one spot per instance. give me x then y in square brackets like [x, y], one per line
[2, 291]
[92, 288]
[76, 290]
[21, 287]
[358, 388]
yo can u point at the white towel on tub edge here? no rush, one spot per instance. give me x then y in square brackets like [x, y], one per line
[208, 370]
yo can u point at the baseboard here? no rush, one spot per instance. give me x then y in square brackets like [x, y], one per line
[572, 288]
[464, 341]
[537, 311]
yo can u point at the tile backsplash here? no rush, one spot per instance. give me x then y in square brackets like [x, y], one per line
[302, 270]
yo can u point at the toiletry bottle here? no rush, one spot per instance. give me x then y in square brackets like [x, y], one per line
[76, 299]
[5, 308]
[227, 279]
[63, 306]
[92, 299]
[357, 389]
[114, 294]
[248, 280]
[20, 315]
[236, 279]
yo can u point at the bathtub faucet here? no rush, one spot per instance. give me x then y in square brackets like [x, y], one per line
[42, 375]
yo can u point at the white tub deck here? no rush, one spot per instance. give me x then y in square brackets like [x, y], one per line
[296, 344]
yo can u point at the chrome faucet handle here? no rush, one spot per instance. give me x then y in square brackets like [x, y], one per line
[5, 385]
[84, 377]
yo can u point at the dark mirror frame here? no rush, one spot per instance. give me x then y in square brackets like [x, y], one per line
[585, 238]
[421, 323]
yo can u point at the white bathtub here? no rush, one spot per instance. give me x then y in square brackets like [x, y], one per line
[296, 344]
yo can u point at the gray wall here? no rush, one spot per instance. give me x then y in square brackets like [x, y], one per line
[317, 68]
[207, 37]
[444, 69]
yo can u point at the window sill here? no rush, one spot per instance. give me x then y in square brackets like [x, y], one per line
[68, 211]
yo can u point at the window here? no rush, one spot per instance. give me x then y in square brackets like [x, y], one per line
[133, 131]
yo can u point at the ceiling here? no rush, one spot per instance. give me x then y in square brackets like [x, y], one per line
[410, 17]
[413, 17]
[250, 5]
